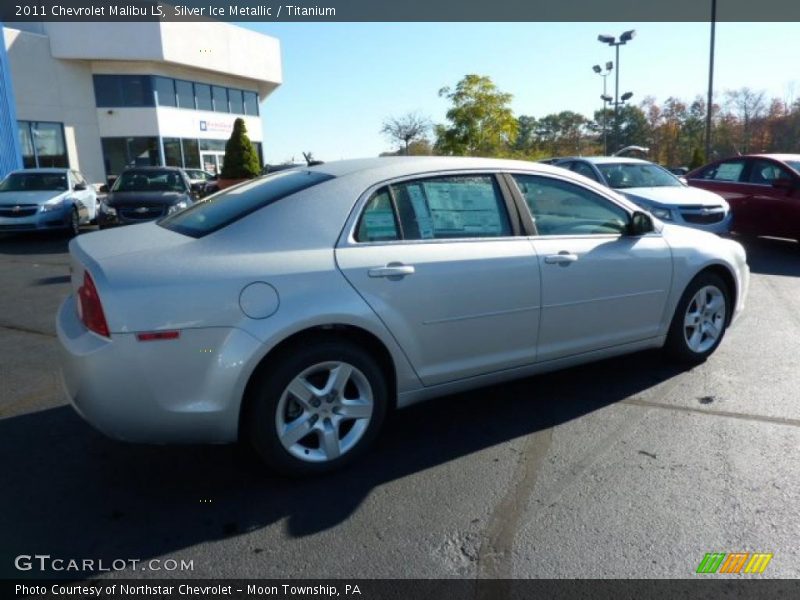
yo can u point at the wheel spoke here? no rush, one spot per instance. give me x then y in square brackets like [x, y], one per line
[338, 378]
[713, 330]
[691, 319]
[355, 410]
[330, 441]
[695, 339]
[302, 391]
[296, 430]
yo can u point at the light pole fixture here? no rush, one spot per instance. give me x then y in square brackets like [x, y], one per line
[605, 98]
[626, 37]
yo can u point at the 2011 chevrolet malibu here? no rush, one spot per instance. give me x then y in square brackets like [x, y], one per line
[295, 310]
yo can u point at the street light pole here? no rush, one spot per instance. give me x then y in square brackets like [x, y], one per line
[626, 37]
[605, 99]
[710, 103]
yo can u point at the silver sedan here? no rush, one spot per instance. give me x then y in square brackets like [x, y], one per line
[295, 310]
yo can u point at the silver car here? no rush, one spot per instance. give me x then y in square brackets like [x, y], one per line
[46, 200]
[656, 190]
[297, 309]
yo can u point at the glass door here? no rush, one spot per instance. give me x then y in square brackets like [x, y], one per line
[212, 161]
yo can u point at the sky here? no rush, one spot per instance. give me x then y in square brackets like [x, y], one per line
[342, 80]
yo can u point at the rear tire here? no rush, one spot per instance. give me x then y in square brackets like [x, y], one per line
[700, 320]
[317, 408]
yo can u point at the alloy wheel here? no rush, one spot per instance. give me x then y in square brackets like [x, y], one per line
[704, 320]
[324, 411]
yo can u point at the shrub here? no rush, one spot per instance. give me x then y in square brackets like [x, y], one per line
[698, 160]
[241, 158]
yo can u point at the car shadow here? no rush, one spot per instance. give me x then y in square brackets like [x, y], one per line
[37, 242]
[772, 256]
[72, 493]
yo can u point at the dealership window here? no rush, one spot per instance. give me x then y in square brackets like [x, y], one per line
[213, 145]
[123, 90]
[172, 152]
[165, 91]
[120, 153]
[251, 103]
[191, 154]
[185, 93]
[203, 94]
[220, 98]
[42, 144]
[236, 101]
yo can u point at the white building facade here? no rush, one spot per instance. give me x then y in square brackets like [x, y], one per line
[101, 97]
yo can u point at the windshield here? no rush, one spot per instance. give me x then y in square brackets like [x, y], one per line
[34, 182]
[234, 203]
[634, 175]
[794, 164]
[149, 181]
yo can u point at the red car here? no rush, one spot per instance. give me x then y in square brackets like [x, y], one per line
[763, 191]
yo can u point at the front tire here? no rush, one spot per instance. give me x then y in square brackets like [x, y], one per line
[700, 320]
[74, 226]
[317, 408]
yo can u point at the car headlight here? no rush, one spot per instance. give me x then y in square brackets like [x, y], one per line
[176, 207]
[52, 205]
[108, 210]
[662, 213]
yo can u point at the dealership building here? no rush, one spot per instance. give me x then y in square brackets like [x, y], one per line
[101, 97]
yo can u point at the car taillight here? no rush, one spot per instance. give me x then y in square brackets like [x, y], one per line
[90, 308]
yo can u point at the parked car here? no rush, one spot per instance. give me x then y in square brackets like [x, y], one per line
[295, 310]
[199, 180]
[144, 194]
[656, 190]
[763, 191]
[46, 199]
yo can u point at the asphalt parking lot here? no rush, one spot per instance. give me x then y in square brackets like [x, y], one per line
[625, 468]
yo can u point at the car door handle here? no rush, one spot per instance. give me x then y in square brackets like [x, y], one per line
[392, 270]
[562, 258]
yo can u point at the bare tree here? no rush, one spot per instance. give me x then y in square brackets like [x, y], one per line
[411, 127]
[749, 105]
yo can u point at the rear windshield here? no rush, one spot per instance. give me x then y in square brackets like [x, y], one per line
[232, 204]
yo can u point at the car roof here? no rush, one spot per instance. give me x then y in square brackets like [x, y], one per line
[604, 160]
[778, 156]
[153, 168]
[388, 167]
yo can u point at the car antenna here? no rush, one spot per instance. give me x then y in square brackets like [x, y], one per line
[310, 159]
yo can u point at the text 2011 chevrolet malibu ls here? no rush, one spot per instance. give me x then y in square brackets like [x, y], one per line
[295, 310]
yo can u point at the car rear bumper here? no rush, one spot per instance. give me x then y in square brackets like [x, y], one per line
[187, 390]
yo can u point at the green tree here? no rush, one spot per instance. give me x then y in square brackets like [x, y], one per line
[241, 158]
[481, 122]
[697, 159]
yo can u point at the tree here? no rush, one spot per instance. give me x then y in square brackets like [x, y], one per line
[481, 122]
[697, 159]
[411, 127]
[241, 158]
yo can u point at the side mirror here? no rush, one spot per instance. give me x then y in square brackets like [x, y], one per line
[79, 187]
[640, 224]
[683, 180]
[103, 189]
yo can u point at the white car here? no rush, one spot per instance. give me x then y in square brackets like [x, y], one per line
[296, 309]
[656, 190]
[46, 200]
